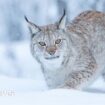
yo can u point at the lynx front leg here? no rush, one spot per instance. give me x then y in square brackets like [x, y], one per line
[81, 77]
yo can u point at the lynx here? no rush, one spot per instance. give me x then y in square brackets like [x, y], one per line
[72, 55]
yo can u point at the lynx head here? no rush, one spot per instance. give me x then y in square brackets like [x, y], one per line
[48, 42]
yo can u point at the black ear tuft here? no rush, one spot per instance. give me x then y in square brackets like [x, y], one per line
[26, 19]
[64, 13]
[32, 27]
[62, 21]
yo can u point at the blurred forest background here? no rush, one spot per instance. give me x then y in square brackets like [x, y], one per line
[15, 56]
[13, 26]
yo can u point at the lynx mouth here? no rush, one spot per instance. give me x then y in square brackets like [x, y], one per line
[50, 58]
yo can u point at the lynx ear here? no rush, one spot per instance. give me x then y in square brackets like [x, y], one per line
[62, 21]
[32, 27]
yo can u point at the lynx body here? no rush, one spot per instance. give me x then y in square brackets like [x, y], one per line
[71, 55]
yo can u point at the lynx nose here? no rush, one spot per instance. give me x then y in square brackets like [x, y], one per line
[51, 50]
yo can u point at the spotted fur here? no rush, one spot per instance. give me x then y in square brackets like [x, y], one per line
[79, 58]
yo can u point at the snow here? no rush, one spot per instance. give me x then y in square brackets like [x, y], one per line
[22, 82]
[55, 97]
[26, 93]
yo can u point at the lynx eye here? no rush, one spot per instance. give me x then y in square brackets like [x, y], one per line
[42, 43]
[58, 41]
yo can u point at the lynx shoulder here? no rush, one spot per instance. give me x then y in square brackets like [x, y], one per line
[71, 55]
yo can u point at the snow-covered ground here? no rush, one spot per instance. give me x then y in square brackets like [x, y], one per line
[54, 97]
[14, 91]
[22, 82]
